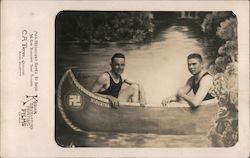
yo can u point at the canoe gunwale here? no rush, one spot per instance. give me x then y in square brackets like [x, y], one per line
[80, 87]
[60, 106]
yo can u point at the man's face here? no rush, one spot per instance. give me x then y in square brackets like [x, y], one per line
[118, 65]
[194, 66]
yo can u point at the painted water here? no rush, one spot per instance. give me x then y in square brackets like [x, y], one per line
[132, 140]
[160, 66]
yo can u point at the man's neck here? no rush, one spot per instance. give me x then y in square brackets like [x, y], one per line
[199, 75]
[114, 75]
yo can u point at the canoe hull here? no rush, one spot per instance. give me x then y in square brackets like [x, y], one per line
[83, 111]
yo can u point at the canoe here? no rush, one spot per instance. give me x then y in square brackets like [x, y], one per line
[83, 111]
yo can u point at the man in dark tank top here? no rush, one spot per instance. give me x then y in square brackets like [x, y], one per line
[200, 83]
[113, 87]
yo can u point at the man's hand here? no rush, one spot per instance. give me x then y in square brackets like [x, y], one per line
[168, 100]
[165, 102]
[113, 101]
[142, 99]
[143, 102]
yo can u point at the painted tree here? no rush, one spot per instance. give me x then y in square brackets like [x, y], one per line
[224, 65]
[98, 27]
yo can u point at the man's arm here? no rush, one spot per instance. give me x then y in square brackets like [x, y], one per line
[205, 85]
[174, 98]
[187, 88]
[128, 81]
[100, 85]
[142, 98]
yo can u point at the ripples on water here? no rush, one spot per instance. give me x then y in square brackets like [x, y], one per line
[133, 140]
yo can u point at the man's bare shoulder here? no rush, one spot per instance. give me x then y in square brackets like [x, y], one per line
[103, 78]
[207, 79]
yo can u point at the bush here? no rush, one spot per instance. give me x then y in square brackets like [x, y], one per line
[223, 25]
[227, 29]
[98, 27]
[213, 20]
[224, 131]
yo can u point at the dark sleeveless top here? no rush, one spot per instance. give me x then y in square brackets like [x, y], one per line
[114, 88]
[195, 87]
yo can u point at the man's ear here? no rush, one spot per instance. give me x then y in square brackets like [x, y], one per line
[202, 64]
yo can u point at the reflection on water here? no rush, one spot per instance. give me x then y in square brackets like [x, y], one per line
[133, 140]
[160, 66]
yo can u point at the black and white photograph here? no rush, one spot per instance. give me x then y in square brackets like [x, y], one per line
[124, 79]
[146, 79]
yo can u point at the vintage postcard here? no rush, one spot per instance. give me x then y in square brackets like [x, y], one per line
[125, 79]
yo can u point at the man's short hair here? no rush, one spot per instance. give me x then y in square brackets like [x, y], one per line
[195, 56]
[117, 55]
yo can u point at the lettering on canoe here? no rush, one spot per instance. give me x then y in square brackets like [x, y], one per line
[97, 102]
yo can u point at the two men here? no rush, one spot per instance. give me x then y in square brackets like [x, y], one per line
[115, 88]
[201, 83]
[112, 86]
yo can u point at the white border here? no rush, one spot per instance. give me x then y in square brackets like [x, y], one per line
[19, 142]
